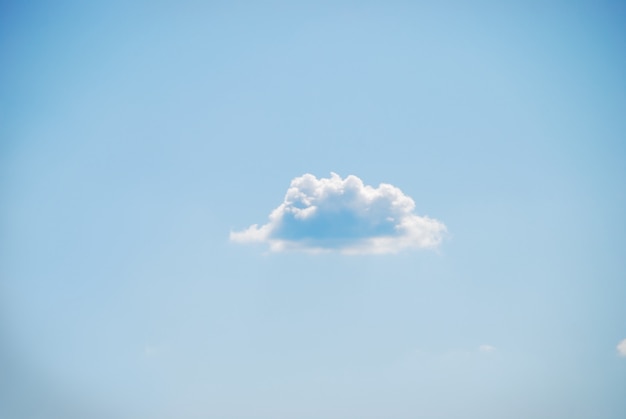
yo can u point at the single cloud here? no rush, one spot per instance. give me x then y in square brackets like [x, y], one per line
[344, 215]
[621, 348]
[486, 348]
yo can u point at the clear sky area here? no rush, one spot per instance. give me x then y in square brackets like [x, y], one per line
[312, 210]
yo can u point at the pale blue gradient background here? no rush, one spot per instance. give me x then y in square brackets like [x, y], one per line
[136, 136]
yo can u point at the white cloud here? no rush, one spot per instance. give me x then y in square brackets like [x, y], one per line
[486, 348]
[621, 348]
[344, 215]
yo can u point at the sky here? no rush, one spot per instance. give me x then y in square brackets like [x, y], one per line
[296, 210]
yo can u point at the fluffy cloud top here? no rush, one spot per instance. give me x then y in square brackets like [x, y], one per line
[344, 215]
[621, 348]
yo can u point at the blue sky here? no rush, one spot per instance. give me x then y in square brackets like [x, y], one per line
[137, 136]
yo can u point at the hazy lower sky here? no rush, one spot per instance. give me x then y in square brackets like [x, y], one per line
[292, 210]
